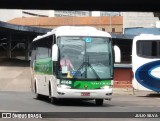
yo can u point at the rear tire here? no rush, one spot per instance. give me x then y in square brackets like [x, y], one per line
[99, 102]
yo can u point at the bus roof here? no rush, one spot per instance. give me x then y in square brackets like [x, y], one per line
[146, 37]
[75, 31]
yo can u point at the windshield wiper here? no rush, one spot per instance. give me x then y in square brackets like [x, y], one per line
[98, 78]
[88, 65]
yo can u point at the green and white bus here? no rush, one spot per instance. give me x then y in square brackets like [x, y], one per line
[90, 53]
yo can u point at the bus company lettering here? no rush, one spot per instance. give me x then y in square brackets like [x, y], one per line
[29, 115]
[66, 82]
[99, 83]
[148, 115]
[44, 68]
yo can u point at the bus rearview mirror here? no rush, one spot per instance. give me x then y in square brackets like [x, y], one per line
[54, 52]
[117, 54]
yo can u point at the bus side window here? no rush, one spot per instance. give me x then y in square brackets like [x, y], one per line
[54, 39]
[50, 41]
[43, 49]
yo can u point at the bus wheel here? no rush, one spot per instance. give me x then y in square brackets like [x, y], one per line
[38, 96]
[99, 102]
[54, 100]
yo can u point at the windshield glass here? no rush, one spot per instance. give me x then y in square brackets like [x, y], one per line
[85, 57]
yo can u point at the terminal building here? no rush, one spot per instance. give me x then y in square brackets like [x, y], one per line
[15, 40]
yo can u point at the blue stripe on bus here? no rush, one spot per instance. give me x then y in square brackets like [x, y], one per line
[144, 77]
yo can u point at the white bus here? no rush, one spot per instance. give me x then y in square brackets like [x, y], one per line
[73, 62]
[146, 62]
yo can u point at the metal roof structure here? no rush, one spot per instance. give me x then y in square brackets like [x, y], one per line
[137, 31]
[122, 36]
[5, 28]
[11, 34]
[11, 27]
[18, 31]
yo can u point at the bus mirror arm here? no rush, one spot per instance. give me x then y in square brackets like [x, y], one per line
[55, 52]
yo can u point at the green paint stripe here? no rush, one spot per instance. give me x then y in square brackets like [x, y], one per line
[76, 84]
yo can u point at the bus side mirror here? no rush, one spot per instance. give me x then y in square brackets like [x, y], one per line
[55, 52]
[117, 54]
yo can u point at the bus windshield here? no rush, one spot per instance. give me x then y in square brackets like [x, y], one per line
[85, 57]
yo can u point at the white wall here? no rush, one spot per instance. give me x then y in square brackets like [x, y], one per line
[139, 19]
[8, 14]
[95, 13]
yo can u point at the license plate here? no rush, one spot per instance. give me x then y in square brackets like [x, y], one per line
[85, 93]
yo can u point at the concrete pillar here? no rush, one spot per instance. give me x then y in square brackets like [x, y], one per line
[27, 45]
[9, 51]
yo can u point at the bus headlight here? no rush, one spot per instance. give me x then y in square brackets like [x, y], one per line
[64, 86]
[106, 87]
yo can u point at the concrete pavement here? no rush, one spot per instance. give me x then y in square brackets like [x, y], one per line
[14, 75]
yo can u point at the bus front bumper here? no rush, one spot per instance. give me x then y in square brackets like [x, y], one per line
[84, 94]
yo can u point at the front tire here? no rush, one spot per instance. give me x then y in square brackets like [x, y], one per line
[54, 100]
[99, 102]
[37, 96]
